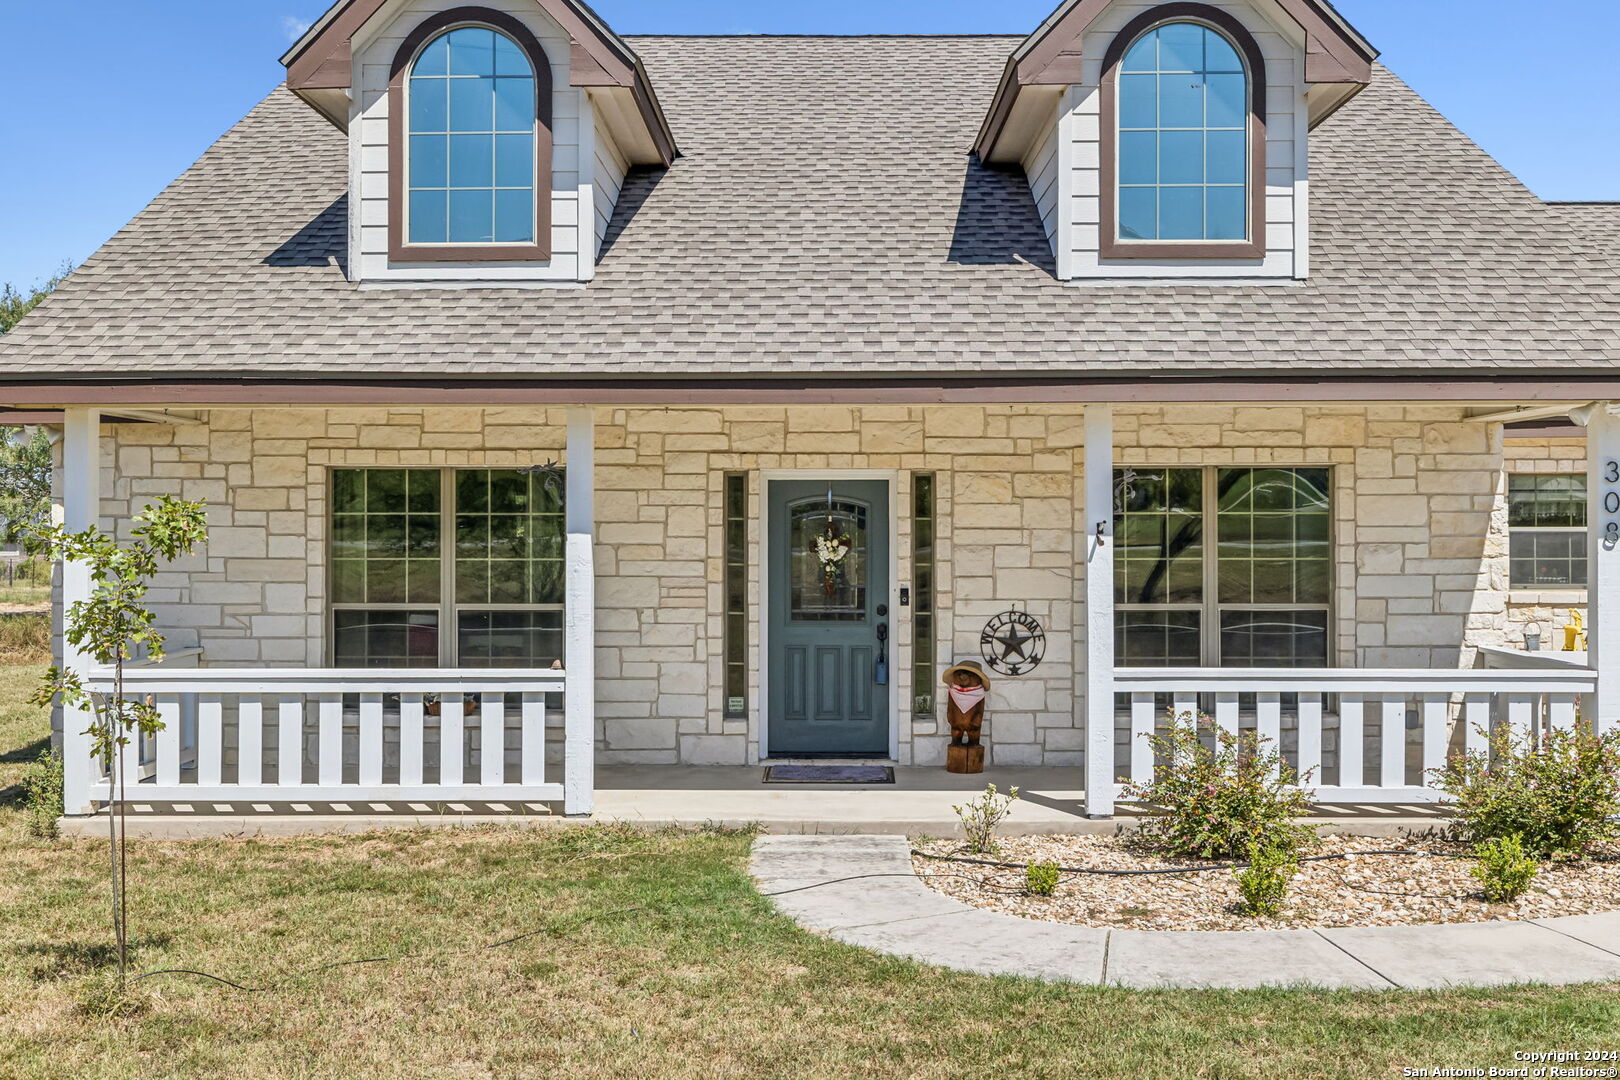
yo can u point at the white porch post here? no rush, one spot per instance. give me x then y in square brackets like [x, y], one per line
[579, 622]
[81, 506]
[1097, 503]
[1603, 565]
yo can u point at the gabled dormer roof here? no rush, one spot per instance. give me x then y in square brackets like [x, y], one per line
[1338, 65]
[320, 70]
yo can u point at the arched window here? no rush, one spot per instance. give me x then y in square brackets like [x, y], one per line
[471, 122]
[1184, 138]
[470, 141]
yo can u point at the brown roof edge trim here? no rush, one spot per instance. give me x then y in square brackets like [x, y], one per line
[1543, 429]
[1334, 52]
[400, 250]
[325, 62]
[810, 390]
[1110, 245]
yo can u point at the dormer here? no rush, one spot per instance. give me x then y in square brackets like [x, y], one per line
[487, 144]
[1169, 141]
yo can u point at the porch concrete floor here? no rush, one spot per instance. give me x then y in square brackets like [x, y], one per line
[917, 803]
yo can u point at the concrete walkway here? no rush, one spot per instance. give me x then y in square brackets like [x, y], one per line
[894, 912]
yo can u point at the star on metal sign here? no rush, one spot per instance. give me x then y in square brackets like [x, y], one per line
[1012, 643]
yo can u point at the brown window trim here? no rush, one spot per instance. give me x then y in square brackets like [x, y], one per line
[398, 249]
[1111, 246]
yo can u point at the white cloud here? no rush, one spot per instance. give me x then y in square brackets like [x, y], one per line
[293, 26]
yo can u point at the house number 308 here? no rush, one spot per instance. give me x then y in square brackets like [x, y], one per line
[1611, 502]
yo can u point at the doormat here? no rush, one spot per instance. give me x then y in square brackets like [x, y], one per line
[829, 774]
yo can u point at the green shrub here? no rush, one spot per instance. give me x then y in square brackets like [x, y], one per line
[1041, 878]
[1219, 803]
[42, 795]
[981, 816]
[1504, 870]
[1264, 882]
[1559, 795]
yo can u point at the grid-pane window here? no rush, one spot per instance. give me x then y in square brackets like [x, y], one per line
[1183, 136]
[1547, 530]
[471, 106]
[1254, 590]
[385, 536]
[922, 599]
[1273, 529]
[476, 551]
[509, 537]
[736, 595]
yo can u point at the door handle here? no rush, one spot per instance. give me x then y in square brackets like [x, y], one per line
[880, 668]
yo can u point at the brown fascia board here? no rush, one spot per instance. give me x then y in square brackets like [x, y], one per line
[805, 390]
[323, 60]
[1536, 430]
[1334, 53]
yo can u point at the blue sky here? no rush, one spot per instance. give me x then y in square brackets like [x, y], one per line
[82, 155]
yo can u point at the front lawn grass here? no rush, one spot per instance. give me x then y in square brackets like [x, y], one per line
[33, 596]
[655, 958]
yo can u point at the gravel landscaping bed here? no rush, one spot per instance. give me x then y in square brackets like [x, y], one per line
[1362, 890]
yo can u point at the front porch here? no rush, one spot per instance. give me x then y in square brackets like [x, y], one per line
[918, 803]
[654, 650]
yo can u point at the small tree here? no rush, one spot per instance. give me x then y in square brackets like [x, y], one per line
[25, 484]
[109, 628]
[15, 304]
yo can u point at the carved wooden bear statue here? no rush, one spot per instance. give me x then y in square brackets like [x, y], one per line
[966, 687]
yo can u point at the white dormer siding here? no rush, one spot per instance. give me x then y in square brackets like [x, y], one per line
[1070, 203]
[572, 188]
[1041, 166]
[611, 167]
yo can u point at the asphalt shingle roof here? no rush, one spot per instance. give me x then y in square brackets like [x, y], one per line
[826, 218]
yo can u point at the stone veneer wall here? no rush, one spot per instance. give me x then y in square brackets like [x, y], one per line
[1549, 609]
[1421, 536]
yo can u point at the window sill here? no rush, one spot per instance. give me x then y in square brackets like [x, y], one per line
[1547, 597]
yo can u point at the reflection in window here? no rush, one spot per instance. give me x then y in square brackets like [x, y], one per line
[1273, 527]
[817, 592]
[1274, 638]
[1253, 591]
[923, 678]
[1157, 638]
[525, 639]
[385, 639]
[735, 643]
[509, 536]
[1547, 530]
[472, 150]
[1159, 557]
[385, 536]
[1183, 137]
[390, 533]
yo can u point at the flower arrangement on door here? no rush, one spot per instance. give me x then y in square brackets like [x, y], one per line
[831, 550]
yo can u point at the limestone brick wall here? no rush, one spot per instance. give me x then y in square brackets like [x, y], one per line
[1421, 543]
[1548, 609]
[1005, 491]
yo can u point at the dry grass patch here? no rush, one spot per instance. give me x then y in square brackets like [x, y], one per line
[25, 639]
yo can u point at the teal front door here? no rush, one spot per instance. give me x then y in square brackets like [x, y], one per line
[831, 653]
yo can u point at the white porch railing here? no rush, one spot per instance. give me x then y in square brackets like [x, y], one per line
[1364, 735]
[337, 735]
